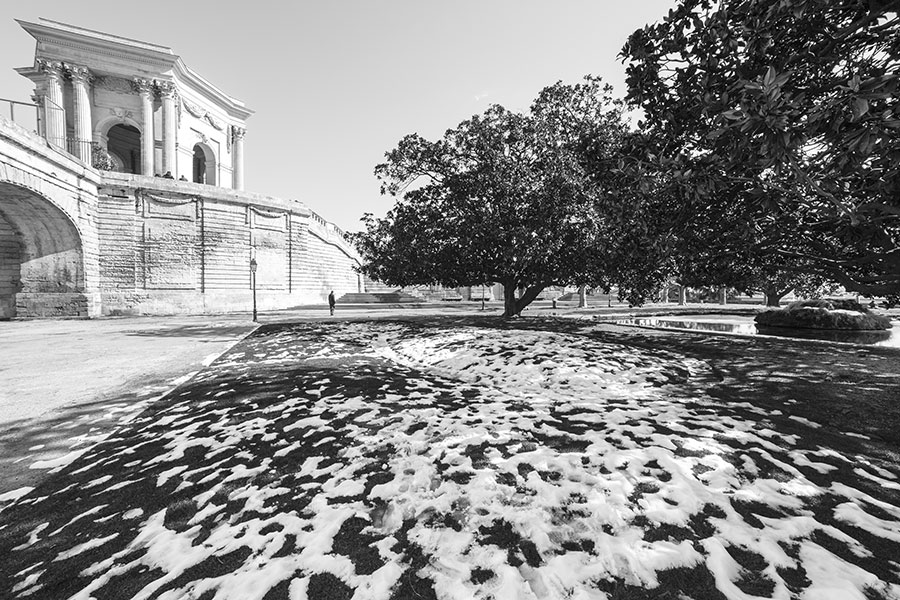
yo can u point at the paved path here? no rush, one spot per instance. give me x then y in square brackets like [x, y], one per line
[65, 384]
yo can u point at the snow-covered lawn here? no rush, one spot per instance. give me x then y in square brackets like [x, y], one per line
[393, 460]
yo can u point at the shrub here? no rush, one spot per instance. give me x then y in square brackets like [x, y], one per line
[823, 314]
[828, 304]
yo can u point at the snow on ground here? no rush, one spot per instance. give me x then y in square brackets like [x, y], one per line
[393, 460]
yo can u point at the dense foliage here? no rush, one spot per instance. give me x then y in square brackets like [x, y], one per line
[776, 126]
[524, 200]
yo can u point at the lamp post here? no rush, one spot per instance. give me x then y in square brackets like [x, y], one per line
[253, 284]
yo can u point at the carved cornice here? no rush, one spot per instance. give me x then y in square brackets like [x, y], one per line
[146, 57]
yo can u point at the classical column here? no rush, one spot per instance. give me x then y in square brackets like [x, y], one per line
[83, 134]
[54, 113]
[167, 93]
[237, 155]
[144, 88]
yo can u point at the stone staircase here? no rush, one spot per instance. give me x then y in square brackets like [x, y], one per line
[438, 294]
[398, 297]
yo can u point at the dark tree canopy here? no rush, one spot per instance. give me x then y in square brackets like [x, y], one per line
[777, 123]
[519, 199]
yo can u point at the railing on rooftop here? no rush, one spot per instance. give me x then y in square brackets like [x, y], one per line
[24, 114]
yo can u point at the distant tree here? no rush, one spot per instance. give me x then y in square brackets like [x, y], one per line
[524, 200]
[781, 118]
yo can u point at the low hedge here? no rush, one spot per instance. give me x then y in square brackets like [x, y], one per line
[823, 314]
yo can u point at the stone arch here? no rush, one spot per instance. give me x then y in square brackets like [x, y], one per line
[42, 271]
[101, 129]
[205, 164]
[128, 162]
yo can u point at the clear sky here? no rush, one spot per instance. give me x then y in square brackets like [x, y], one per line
[336, 83]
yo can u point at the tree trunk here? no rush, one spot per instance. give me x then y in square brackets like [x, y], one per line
[773, 296]
[664, 294]
[682, 295]
[723, 296]
[513, 306]
[582, 296]
[509, 300]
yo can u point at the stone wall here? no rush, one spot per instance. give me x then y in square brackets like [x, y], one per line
[177, 247]
[47, 204]
[77, 242]
[10, 257]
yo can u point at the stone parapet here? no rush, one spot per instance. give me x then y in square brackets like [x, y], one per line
[112, 180]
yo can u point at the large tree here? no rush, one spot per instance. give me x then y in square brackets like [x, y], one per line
[787, 109]
[524, 200]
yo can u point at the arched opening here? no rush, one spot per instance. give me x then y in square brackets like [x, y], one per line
[124, 144]
[204, 165]
[41, 260]
[199, 165]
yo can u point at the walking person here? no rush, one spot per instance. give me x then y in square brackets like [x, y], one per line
[331, 302]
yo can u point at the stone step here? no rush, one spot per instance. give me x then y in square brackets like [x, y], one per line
[379, 298]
